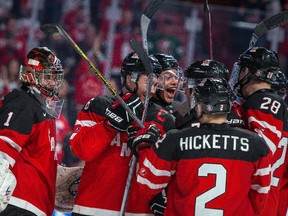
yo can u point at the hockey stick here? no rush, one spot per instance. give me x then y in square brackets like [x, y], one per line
[267, 25]
[49, 29]
[148, 67]
[146, 19]
[207, 10]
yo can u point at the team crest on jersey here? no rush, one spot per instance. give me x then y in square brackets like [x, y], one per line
[209, 107]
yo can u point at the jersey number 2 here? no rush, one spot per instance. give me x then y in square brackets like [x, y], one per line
[219, 188]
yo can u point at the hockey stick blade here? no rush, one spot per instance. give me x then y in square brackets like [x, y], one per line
[148, 67]
[49, 29]
[266, 25]
[148, 13]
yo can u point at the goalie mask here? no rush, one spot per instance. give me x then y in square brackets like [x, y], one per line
[42, 72]
[263, 65]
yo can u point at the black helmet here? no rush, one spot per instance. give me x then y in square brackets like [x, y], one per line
[263, 64]
[214, 95]
[167, 61]
[206, 69]
[280, 85]
[140, 69]
[128, 66]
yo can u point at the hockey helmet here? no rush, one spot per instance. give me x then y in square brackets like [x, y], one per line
[204, 69]
[167, 61]
[280, 85]
[139, 68]
[263, 65]
[40, 66]
[128, 66]
[214, 95]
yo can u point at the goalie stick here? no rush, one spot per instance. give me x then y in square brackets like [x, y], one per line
[267, 25]
[49, 29]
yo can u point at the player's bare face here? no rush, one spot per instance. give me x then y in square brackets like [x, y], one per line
[171, 80]
[142, 86]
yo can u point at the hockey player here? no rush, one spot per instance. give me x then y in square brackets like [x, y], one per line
[211, 170]
[171, 76]
[101, 142]
[264, 111]
[199, 70]
[28, 157]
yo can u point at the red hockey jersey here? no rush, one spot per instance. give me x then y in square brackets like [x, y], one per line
[27, 141]
[266, 113]
[211, 170]
[107, 159]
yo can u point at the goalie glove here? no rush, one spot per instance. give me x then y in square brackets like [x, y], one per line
[143, 139]
[7, 183]
[118, 118]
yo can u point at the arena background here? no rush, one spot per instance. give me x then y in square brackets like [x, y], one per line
[103, 29]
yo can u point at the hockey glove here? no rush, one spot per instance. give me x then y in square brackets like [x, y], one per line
[146, 139]
[7, 183]
[158, 203]
[118, 117]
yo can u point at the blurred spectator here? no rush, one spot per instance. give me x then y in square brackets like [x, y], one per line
[13, 73]
[4, 82]
[63, 126]
[12, 43]
[124, 33]
[86, 83]
[164, 40]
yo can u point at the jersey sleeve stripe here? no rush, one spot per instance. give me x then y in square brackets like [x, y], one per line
[145, 181]
[11, 143]
[85, 123]
[259, 189]
[8, 158]
[270, 144]
[155, 171]
[263, 171]
[265, 125]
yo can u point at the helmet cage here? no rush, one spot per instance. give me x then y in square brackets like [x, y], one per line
[38, 77]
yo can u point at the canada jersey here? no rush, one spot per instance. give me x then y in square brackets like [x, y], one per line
[107, 159]
[211, 170]
[27, 141]
[265, 112]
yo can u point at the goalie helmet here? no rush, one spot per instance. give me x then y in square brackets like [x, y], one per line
[214, 95]
[43, 70]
